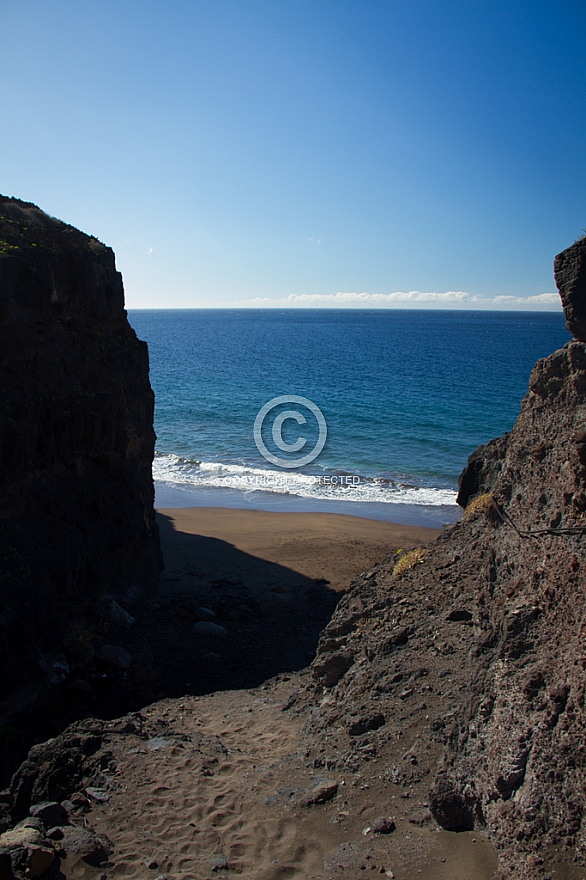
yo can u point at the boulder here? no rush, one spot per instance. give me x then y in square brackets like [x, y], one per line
[50, 813]
[85, 843]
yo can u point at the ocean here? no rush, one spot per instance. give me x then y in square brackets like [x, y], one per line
[366, 412]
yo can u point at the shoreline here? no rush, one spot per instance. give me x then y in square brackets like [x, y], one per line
[179, 496]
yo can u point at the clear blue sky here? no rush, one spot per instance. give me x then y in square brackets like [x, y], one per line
[304, 152]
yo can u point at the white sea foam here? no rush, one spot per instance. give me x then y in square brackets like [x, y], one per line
[172, 469]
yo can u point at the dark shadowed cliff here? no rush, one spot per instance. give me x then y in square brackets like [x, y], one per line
[76, 448]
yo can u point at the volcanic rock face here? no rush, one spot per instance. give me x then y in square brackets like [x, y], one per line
[570, 277]
[498, 607]
[76, 443]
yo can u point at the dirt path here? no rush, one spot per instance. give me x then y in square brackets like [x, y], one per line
[222, 785]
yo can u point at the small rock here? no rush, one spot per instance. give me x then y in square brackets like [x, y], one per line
[114, 657]
[460, 614]
[39, 859]
[115, 612]
[372, 722]
[205, 613]
[82, 842]
[207, 628]
[420, 818]
[382, 825]
[319, 795]
[58, 672]
[77, 799]
[49, 812]
[220, 863]
[55, 833]
[98, 794]
[152, 864]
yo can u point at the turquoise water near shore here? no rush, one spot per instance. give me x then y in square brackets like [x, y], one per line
[406, 396]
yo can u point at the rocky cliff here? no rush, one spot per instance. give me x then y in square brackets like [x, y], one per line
[76, 448]
[484, 631]
[448, 692]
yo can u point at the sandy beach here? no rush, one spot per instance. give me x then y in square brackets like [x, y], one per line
[271, 581]
[333, 547]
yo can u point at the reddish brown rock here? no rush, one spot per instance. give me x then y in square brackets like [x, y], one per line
[570, 277]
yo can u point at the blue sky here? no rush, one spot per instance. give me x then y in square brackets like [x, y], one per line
[308, 152]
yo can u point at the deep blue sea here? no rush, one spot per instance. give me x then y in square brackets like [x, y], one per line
[403, 396]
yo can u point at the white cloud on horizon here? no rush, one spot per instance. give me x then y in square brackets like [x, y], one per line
[453, 299]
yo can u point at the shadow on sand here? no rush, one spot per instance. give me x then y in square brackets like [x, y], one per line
[266, 620]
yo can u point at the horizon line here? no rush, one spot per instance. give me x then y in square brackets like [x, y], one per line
[305, 308]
